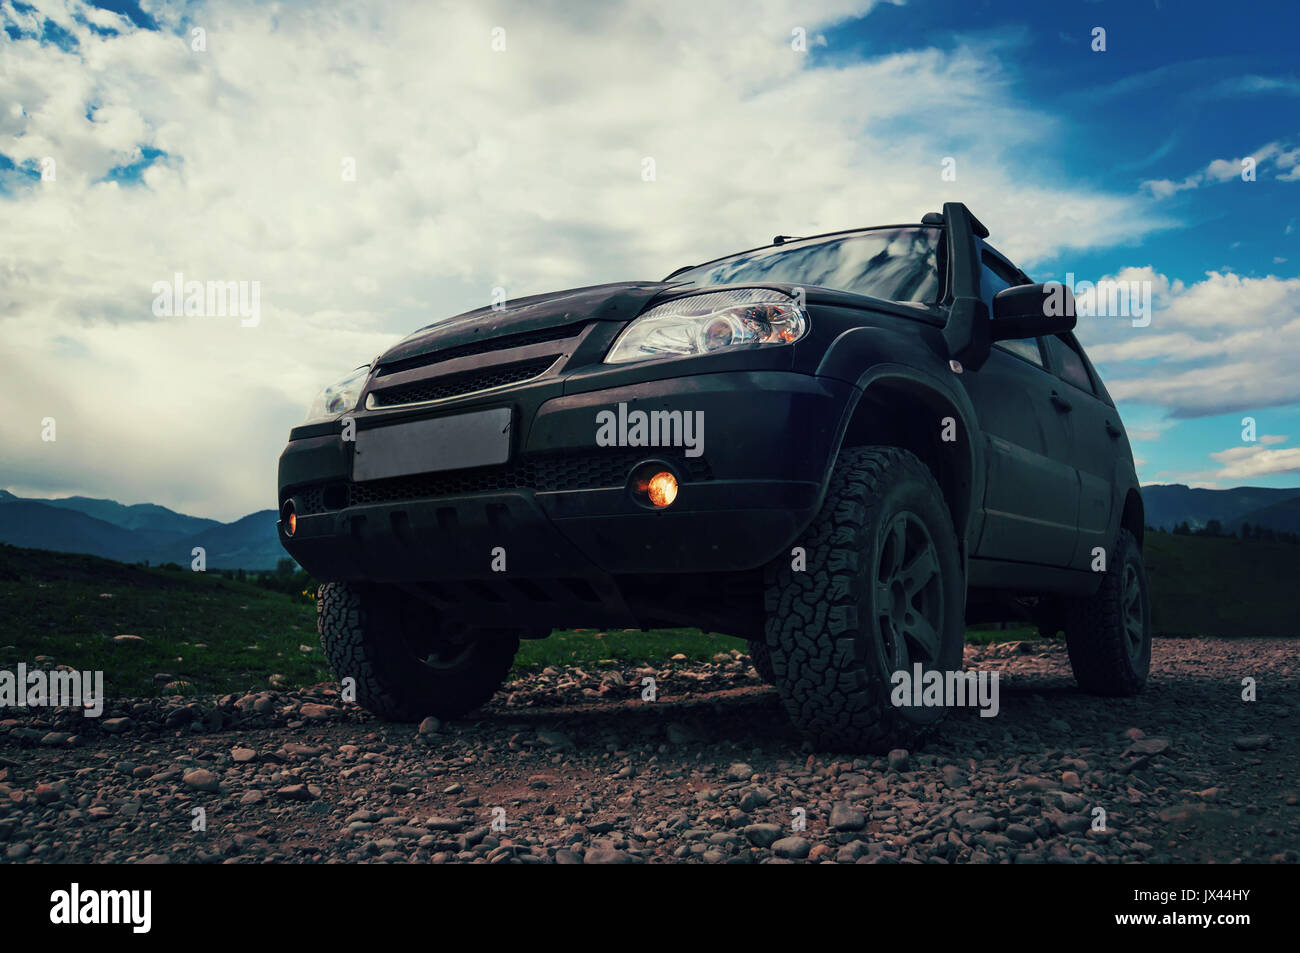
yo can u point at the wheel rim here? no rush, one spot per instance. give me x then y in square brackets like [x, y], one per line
[909, 608]
[1132, 613]
[432, 652]
[447, 656]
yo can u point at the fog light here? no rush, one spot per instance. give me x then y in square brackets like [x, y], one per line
[288, 518]
[662, 488]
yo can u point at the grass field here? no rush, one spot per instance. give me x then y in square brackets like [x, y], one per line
[223, 635]
[217, 634]
[1216, 586]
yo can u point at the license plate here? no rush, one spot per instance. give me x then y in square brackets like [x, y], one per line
[480, 439]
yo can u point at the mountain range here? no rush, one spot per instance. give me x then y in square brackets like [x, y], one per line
[143, 532]
[1169, 504]
[147, 532]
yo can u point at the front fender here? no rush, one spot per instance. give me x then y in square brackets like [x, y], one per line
[869, 357]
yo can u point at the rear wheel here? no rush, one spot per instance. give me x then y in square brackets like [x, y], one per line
[761, 659]
[404, 663]
[882, 592]
[1108, 634]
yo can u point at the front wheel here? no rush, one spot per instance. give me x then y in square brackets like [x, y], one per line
[1108, 634]
[882, 593]
[404, 663]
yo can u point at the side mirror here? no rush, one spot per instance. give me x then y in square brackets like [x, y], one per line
[1029, 311]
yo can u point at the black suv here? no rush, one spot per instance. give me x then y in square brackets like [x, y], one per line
[842, 448]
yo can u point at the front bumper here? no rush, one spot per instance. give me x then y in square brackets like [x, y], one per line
[560, 513]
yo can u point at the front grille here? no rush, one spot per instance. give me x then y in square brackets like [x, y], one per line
[544, 472]
[456, 385]
[485, 347]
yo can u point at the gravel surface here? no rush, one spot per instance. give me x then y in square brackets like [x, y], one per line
[578, 769]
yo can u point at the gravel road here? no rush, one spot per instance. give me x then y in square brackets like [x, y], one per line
[576, 768]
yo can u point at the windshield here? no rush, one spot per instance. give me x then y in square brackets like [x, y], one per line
[897, 264]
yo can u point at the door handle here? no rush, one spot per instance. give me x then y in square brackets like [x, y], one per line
[1061, 404]
[1114, 431]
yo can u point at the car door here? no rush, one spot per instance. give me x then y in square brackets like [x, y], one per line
[1094, 435]
[1032, 491]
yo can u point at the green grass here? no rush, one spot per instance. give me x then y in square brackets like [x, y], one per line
[217, 634]
[988, 634]
[1231, 587]
[588, 646]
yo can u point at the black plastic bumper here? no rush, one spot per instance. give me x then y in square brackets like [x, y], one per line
[768, 439]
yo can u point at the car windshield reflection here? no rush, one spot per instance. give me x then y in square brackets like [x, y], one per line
[897, 264]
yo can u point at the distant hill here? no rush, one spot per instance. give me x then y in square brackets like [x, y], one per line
[36, 525]
[248, 543]
[141, 516]
[140, 533]
[1284, 515]
[1169, 504]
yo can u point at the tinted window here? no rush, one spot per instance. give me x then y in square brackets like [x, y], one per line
[993, 281]
[898, 264]
[1071, 366]
[995, 277]
[1023, 347]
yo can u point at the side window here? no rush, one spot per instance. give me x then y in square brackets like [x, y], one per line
[1071, 367]
[1024, 347]
[995, 277]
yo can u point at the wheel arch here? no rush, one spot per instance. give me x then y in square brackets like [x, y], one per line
[900, 406]
[1133, 515]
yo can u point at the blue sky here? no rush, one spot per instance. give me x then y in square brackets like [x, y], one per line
[207, 138]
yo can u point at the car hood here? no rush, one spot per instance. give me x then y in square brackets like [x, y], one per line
[620, 301]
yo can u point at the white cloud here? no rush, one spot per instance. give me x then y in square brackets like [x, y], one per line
[1271, 155]
[1250, 462]
[1224, 344]
[1259, 84]
[474, 169]
[1242, 464]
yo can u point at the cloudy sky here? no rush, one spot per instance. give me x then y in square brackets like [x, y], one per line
[377, 166]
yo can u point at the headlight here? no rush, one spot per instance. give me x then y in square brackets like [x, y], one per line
[338, 398]
[702, 324]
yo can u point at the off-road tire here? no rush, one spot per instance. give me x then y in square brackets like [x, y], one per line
[366, 632]
[761, 659]
[825, 633]
[1108, 634]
